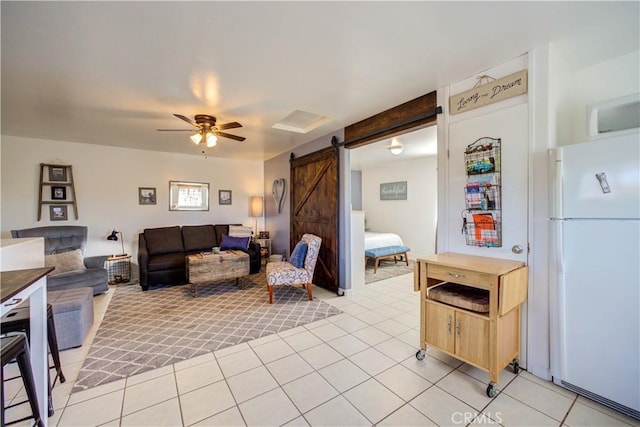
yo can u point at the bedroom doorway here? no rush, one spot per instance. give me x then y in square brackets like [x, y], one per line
[397, 196]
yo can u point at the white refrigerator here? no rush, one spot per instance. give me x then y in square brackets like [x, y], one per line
[596, 271]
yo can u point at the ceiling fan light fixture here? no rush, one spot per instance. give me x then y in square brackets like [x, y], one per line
[196, 138]
[211, 140]
[207, 131]
[396, 147]
[396, 150]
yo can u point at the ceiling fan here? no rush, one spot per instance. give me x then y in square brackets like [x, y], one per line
[207, 130]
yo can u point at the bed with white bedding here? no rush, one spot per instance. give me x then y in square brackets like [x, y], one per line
[373, 240]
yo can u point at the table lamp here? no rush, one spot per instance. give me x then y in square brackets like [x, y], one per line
[256, 209]
[114, 237]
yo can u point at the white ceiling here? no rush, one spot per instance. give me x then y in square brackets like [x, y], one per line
[113, 72]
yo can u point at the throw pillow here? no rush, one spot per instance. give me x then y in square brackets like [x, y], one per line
[65, 261]
[230, 242]
[240, 231]
[299, 254]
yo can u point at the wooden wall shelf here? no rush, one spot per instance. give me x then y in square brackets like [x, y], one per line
[57, 176]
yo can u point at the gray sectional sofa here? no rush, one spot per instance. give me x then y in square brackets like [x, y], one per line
[65, 238]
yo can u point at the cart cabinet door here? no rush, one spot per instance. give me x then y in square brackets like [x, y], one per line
[472, 338]
[440, 324]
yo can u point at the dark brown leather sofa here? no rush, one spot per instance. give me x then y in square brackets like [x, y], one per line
[162, 251]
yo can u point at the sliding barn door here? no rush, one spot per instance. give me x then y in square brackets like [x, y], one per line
[314, 209]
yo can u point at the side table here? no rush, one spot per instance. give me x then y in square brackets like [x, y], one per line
[119, 268]
[265, 249]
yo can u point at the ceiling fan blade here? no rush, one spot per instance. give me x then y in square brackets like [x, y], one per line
[231, 125]
[228, 135]
[175, 130]
[186, 119]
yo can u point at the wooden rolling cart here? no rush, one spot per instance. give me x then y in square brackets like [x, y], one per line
[488, 340]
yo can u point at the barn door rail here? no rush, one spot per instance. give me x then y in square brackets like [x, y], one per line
[383, 131]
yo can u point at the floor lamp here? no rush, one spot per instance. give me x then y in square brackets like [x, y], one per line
[256, 209]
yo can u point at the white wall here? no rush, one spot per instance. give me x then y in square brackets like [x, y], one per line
[107, 181]
[607, 80]
[413, 219]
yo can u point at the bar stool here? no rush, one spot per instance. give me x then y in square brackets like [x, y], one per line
[18, 320]
[16, 347]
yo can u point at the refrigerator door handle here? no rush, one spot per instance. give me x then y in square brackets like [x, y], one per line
[559, 255]
[556, 167]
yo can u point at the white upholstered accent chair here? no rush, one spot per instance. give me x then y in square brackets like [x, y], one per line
[286, 274]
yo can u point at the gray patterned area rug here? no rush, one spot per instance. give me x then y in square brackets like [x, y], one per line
[148, 330]
[386, 270]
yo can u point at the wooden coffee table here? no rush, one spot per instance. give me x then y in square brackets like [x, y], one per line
[206, 268]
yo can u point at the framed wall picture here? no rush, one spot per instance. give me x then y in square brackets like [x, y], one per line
[188, 196]
[146, 195]
[58, 193]
[224, 197]
[57, 173]
[58, 213]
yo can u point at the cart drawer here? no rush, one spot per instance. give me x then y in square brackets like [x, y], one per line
[459, 275]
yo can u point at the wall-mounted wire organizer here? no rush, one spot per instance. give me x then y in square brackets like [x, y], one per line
[482, 217]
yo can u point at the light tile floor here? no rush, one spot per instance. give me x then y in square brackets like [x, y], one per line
[354, 369]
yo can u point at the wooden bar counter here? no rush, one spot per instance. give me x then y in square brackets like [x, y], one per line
[15, 287]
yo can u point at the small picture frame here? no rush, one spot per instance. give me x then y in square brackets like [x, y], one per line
[58, 193]
[58, 213]
[263, 235]
[224, 197]
[57, 173]
[146, 195]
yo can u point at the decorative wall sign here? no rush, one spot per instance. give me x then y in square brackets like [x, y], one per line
[485, 94]
[393, 190]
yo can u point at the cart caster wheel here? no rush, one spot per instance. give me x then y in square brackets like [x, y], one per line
[516, 367]
[420, 354]
[491, 390]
